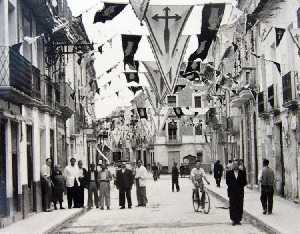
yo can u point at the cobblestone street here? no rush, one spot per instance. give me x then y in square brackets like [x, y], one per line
[167, 212]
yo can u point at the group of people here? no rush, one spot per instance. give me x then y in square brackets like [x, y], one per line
[236, 180]
[74, 179]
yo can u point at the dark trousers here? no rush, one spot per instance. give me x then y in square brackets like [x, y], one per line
[71, 196]
[266, 198]
[122, 194]
[218, 181]
[175, 183]
[236, 204]
[79, 197]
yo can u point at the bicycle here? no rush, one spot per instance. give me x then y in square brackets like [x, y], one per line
[197, 203]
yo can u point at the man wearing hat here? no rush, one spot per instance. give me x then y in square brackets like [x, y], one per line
[124, 182]
[46, 184]
[71, 174]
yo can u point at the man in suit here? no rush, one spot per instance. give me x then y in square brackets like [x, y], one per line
[175, 175]
[218, 172]
[236, 181]
[79, 196]
[91, 179]
[124, 182]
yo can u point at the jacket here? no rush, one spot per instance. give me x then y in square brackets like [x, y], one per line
[124, 180]
[236, 185]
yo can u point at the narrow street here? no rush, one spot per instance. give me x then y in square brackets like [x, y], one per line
[167, 212]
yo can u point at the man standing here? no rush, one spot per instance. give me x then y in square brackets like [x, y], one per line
[104, 178]
[155, 171]
[46, 184]
[267, 181]
[218, 172]
[175, 175]
[236, 181]
[124, 182]
[140, 179]
[91, 179]
[71, 173]
[79, 201]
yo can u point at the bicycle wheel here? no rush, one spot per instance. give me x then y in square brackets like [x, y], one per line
[206, 203]
[196, 201]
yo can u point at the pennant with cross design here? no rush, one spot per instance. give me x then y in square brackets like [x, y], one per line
[155, 80]
[139, 7]
[166, 24]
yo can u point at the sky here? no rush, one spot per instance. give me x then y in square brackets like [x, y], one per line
[125, 23]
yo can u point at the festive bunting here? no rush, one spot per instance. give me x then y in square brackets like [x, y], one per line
[142, 113]
[212, 16]
[155, 80]
[98, 91]
[139, 7]
[178, 112]
[179, 88]
[279, 35]
[132, 77]
[17, 47]
[117, 93]
[130, 45]
[135, 89]
[73, 95]
[165, 24]
[109, 82]
[109, 11]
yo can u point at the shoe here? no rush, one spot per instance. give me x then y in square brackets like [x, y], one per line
[48, 210]
[108, 208]
[122, 207]
[238, 223]
[265, 212]
[101, 208]
[62, 208]
[55, 208]
[129, 207]
[138, 205]
[233, 223]
[270, 212]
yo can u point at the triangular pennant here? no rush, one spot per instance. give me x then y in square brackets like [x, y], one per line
[139, 7]
[278, 66]
[17, 47]
[109, 82]
[178, 112]
[109, 11]
[178, 88]
[142, 113]
[135, 89]
[165, 24]
[117, 93]
[152, 99]
[192, 70]
[132, 77]
[98, 91]
[155, 80]
[212, 16]
[130, 45]
[279, 35]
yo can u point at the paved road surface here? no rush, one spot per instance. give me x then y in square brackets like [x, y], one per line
[167, 213]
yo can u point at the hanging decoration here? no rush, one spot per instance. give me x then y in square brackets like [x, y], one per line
[166, 24]
[142, 113]
[212, 16]
[109, 11]
[132, 77]
[139, 7]
[130, 45]
[135, 89]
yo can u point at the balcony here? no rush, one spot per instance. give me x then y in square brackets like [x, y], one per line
[47, 97]
[262, 105]
[19, 80]
[289, 90]
[65, 101]
[177, 140]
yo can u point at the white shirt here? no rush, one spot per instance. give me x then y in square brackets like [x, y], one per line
[45, 171]
[236, 174]
[92, 176]
[70, 174]
[197, 174]
[141, 174]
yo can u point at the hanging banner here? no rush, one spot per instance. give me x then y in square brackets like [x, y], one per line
[139, 7]
[132, 77]
[212, 16]
[155, 80]
[166, 24]
[130, 45]
[109, 11]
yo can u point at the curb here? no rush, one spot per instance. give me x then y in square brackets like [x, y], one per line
[248, 216]
[58, 226]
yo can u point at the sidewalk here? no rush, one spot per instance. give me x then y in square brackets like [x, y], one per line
[43, 222]
[285, 217]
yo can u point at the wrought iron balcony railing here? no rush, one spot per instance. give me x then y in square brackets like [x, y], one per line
[19, 79]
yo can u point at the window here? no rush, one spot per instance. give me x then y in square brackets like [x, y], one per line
[247, 77]
[172, 130]
[197, 101]
[287, 87]
[172, 101]
[271, 95]
[198, 129]
[261, 102]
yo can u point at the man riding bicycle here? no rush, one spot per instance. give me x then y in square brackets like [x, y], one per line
[197, 176]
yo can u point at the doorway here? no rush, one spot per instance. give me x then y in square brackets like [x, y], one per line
[30, 167]
[280, 169]
[15, 168]
[3, 207]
